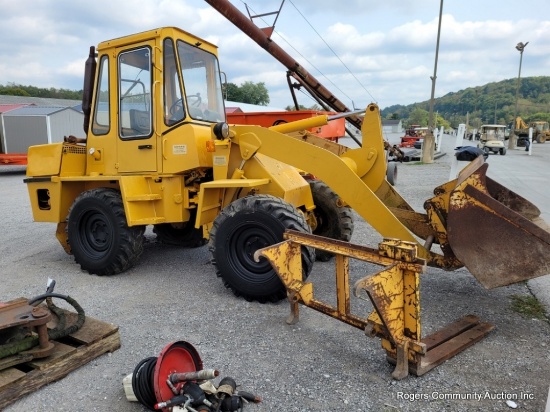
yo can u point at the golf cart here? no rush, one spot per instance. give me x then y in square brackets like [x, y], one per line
[492, 138]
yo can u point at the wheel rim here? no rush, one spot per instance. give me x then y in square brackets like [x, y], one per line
[95, 233]
[244, 242]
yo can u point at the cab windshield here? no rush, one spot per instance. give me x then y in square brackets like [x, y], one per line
[541, 127]
[201, 79]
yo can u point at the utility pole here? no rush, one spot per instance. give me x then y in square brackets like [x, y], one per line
[512, 141]
[428, 147]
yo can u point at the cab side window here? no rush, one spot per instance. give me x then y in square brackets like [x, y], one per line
[102, 122]
[134, 90]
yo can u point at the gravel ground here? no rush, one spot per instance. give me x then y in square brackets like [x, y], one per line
[319, 364]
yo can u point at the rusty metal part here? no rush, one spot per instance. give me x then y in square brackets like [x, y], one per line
[394, 293]
[488, 228]
[18, 320]
[511, 199]
[62, 237]
[201, 375]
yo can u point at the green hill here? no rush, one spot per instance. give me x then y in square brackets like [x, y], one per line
[491, 103]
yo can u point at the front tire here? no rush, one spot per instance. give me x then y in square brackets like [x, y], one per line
[246, 225]
[99, 236]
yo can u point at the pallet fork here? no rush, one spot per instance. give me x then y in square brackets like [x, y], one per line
[394, 293]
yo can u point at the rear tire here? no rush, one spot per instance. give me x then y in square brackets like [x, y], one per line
[333, 221]
[246, 225]
[502, 151]
[99, 236]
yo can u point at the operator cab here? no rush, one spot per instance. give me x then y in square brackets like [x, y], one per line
[190, 78]
[150, 102]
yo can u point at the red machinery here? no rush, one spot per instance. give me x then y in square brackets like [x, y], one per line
[332, 131]
[13, 159]
[412, 135]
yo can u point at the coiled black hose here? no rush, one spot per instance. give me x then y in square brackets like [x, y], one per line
[142, 382]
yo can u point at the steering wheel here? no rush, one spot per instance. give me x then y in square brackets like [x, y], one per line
[176, 107]
[194, 99]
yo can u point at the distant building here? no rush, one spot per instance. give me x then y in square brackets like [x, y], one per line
[33, 125]
[248, 108]
[4, 108]
[38, 101]
[231, 110]
[392, 126]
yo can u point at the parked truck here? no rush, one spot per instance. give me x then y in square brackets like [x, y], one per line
[159, 152]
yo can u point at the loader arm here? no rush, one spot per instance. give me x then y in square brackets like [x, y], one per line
[465, 217]
[356, 175]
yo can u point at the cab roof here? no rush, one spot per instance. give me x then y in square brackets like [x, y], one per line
[160, 32]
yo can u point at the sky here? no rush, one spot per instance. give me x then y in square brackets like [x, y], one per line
[363, 51]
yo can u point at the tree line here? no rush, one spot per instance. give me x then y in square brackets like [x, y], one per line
[247, 92]
[12, 89]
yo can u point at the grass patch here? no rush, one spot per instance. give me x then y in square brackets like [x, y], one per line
[528, 306]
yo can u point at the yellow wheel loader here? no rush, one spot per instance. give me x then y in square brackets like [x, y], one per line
[159, 152]
[541, 131]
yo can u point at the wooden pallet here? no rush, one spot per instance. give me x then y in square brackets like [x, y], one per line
[93, 340]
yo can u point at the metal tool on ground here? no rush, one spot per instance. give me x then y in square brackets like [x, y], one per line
[176, 379]
[24, 333]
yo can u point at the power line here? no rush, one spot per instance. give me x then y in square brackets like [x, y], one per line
[301, 55]
[333, 52]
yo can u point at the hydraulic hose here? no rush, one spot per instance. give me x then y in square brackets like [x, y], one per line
[60, 331]
[142, 382]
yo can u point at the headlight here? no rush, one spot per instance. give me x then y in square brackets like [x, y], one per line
[221, 130]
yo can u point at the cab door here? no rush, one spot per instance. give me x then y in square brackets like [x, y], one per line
[136, 143]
